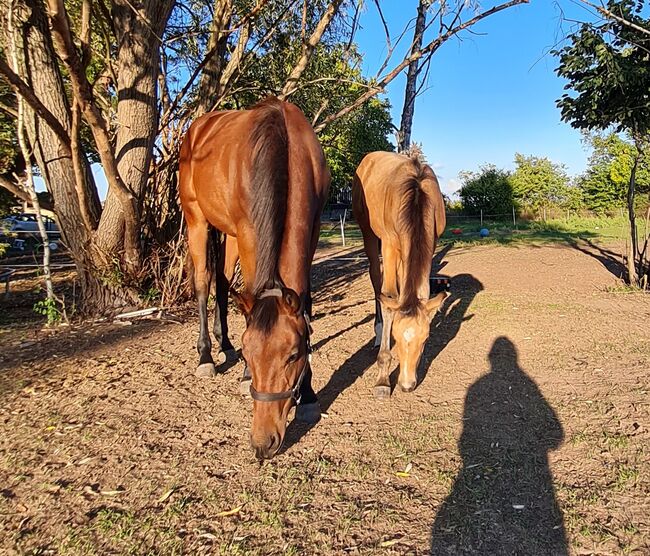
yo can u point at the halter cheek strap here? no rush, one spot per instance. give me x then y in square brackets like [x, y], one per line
[293, 393]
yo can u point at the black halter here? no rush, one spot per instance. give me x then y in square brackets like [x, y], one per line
[293, 393]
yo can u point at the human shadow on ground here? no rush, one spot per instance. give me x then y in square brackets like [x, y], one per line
[611, 260]
[503, 499]
[446, 324]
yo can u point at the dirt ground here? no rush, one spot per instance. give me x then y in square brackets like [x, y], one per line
[527, 435]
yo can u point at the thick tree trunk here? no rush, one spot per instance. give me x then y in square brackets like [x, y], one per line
[41, 71]
[137, 66]
[408, 111]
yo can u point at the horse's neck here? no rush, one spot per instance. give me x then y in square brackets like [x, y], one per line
[421, 281]
[295, 258]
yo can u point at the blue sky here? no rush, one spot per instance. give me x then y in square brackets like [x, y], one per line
[490, 95]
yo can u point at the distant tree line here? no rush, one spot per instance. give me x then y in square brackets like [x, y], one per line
[538, 184]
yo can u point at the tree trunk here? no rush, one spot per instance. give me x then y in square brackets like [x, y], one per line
[137, 66]
[411, 81]
[41, 71]
[632, 249]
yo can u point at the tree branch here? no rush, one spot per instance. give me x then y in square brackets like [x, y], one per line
[428, 49]
[25, 91]
[308, 49]
[82, 91]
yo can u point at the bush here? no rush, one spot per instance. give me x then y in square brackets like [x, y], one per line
[489, 189]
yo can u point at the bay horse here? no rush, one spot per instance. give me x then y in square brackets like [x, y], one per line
[397, 203]
[258, 176]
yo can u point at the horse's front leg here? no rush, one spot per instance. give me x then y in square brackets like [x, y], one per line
[308, 410]
[389, 289]
[384, 359]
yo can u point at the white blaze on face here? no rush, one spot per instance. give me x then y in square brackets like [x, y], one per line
[409, 334]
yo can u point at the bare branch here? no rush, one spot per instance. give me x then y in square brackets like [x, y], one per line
[308, 48]
[25, 91]
[611, 15]
[431, 47]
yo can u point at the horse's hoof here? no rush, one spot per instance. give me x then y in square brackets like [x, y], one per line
[308, 413]
[382, 392]
[221, 358]
[245, 387]
[206, 370]
[230, 354]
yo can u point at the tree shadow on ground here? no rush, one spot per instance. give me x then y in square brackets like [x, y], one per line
[503, 499]
[611, 260]
[446, 325]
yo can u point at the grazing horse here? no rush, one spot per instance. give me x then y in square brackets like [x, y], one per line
[259, 176]
[397, 201]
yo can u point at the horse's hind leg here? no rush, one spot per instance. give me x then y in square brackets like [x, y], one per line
[225, 271]
[371, 246]
[197, 235]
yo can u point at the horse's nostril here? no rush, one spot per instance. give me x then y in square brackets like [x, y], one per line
[274, 442]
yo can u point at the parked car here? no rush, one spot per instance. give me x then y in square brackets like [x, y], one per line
[21, 232]
[26, 222]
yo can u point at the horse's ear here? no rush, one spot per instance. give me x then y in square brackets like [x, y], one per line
[244, 301]
[433, 304]
[292, 299]
[390, 303]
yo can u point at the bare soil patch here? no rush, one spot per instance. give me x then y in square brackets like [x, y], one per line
[527, 435]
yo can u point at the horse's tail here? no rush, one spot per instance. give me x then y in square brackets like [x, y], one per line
[269, 186]
[414, 234]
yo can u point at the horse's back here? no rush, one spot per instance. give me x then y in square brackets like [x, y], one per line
[377, 190]
[216, 160]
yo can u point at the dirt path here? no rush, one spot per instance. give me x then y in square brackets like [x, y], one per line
[528, 433]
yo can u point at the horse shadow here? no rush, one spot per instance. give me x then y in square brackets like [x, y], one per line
[345, 376]
[503, 499]
[447, 323]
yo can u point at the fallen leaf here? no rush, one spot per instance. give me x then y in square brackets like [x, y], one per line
[518, 506]
[408, 468]
[112, 492]
[402, 474]
[166, 495]
[230, 512]
[390, 542]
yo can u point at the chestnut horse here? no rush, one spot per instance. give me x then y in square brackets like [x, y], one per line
[259, 176]
[397, 201]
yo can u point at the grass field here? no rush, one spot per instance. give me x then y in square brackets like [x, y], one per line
[603, 229]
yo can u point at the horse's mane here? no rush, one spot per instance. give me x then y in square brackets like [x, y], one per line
[415, 237]
[268, 189]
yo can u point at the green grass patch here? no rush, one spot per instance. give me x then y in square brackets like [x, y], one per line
[598, 229]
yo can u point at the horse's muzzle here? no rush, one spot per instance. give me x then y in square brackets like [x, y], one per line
[268, 447]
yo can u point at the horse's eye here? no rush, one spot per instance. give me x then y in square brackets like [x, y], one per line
[293, 358]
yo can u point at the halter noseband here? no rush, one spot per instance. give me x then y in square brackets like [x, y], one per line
[293, 393]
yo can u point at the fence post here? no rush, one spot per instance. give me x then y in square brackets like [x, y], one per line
[342, 221]
[481, 218]
[514, 217]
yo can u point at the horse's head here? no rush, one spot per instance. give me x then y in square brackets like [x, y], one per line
[410, 331]
[276, 349]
